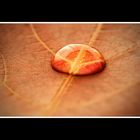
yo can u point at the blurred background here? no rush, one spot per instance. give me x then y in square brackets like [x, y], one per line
[30, 87]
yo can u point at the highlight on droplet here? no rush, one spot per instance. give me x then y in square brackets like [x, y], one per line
[78, 59]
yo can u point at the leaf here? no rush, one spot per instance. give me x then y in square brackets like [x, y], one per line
[29, 85]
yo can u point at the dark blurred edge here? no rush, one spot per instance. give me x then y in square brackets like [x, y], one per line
[72, 11]
[89, 17]
[108, 123]
[81, 17]
[58, 128]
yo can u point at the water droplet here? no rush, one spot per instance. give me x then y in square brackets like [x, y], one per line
[78, 59]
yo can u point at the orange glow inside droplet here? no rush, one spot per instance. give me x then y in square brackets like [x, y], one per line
[78, 59]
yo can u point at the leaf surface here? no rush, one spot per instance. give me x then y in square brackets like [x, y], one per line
[29, 85]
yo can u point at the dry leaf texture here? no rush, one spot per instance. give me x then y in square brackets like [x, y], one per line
[29, 85]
